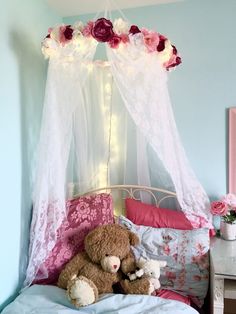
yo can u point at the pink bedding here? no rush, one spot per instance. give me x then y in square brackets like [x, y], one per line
[171, 295]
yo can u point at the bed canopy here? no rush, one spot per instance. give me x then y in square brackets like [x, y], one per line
[104, 121]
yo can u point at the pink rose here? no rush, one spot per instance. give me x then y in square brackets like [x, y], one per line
[87, 30]
[173, 62]
[151, 40]
[124, 38]
[145, 31]
[174, 59]
[219, 208]
[103, 30]
[230, 200]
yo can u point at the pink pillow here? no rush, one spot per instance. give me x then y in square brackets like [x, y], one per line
[84, 214]
[150, 215]
[171, 295]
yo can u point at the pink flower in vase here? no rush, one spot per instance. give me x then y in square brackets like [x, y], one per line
[219, 208]
[225, 208]
[230, 200]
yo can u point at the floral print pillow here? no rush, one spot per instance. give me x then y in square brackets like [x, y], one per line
[84, 214]
[186, 254]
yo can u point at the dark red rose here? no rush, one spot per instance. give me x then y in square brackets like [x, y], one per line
[102, 30]
[174, 50]
[177, 62]
[161, 45]
[68, 33]
[134, 30]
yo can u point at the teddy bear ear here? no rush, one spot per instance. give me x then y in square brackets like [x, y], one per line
[141, 262]
[133, 238]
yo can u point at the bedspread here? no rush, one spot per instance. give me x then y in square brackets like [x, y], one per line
[39, 299]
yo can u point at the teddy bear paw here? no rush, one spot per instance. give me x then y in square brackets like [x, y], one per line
[139, 273]
[82, 291]
[154, 285]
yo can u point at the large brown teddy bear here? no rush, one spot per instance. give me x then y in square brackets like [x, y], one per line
[108, 255]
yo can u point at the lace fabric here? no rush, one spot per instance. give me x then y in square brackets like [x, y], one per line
[61, 101]
[142, 83]
[77, 136]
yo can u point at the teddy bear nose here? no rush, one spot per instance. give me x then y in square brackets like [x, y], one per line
[114, 266]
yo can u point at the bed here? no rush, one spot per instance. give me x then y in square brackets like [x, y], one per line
[164, 234]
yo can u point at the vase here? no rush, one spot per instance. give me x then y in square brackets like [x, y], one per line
[228, 231]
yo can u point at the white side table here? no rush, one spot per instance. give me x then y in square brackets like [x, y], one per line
[222, 272]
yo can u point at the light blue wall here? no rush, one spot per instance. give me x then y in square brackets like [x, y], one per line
[23, 71]
[203, 87]
[201, 90]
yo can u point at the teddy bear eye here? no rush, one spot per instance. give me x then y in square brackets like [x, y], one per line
[106, 255]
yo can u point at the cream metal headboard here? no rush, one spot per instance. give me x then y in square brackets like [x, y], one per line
[133, 191]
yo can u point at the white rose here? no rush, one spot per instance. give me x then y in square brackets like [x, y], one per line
[49, 48]
[84, 44]
[230, 200]
[120, 27]
[78, 26]
[77, 35]
[165, 54]
[137, 40]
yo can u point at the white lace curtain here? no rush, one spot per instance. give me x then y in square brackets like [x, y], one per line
[92, 113]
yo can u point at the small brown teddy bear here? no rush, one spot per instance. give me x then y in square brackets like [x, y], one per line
[107, 255]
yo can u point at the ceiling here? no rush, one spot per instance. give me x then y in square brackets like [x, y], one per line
[78, 7]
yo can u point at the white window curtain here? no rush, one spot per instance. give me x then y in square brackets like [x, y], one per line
[106, 123]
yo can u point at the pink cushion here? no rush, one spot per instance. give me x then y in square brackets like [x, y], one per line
[84, 214]
[171, 295]
[149, 215]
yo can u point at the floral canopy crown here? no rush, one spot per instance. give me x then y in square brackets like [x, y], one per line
[116, 35]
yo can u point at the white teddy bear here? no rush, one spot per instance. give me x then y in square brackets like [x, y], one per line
[150, 269]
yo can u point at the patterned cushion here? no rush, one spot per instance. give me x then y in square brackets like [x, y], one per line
[84, 214]
[186, 253]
